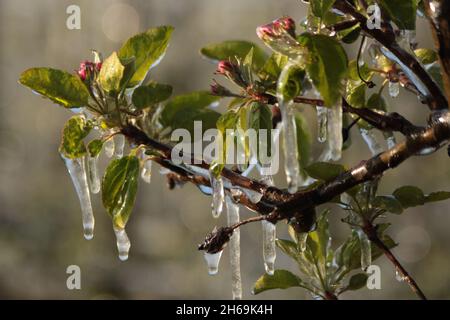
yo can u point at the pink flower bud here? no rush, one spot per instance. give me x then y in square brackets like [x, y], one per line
[288, 24]
[225, 67]
[265, 31]
[98, 66]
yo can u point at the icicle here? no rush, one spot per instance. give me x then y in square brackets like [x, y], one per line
[390, 140]
[399, 276]
[119, 145]
[335, 139]
[213, 259]
[77, 171]
[218, 196]
[146, 173]
[322, 123]
[366, 250]
[289, 128]
[371, 140]
[94, 179]
[235, 252]
[109, 147]
[123, 243]
[253, 196]
[269, 251]
[394, 89]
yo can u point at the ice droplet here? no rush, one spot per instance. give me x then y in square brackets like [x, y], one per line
[322, 123]
[146, 173]
[119, 145]
[218, 195]
[77, 171]
[123, 243]
[213, 259]
[109, 147]
[366, 250]
[289, 129]
[94, 179]
[269, 250]
[371, 140]
[235, 251]
[399, 276]
[394, 89]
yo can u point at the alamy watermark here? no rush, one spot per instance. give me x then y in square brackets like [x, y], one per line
[73, 281]
[73, 21]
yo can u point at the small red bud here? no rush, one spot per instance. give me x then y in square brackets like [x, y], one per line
[224, 67]
[264, 31]
[98, 66]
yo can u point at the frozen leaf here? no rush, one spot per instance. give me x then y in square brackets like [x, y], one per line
[388, 203]
[281, 279]
[151, 94]
[111, 73]
[324, 171]
[357, 281]
[75, 130]
[409, 196]
[402, 12]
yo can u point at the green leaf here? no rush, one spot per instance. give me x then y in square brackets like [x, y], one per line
[376, 101]
[356, 94]
[260, 118]
[289, 248]
[357, 281]
[119, 188]
[350, 35]
[364, 70]
[324, 171]
[437, 196]
[402, 12]
[409, 196]
[151, 94]
[290, 82]
[281, 279]
[320, 7]
[426, 56]
[328, 67]
[226, 121]
[75, 130]
[434, 70]
[273, 67]
[95, 147]
[323, 239]
[388, 203]
[232, 49]
[59, 86]
[111, 73]
[147, 48]
[181, 111]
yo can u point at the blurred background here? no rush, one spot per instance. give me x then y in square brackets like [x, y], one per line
[40, 219]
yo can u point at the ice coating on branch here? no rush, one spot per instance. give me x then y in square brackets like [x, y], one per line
[218, 195]
[269, 250]
[289, 129]
[390, 140]
[371, 140]
[77, 171]
[119, 145]
[366, 250]
[146, 173]
[109, 147]
[235, 251]
[399, 276]
[394, 89]
[322, 120]
[123, 243]
[94, 179]
[212, 260]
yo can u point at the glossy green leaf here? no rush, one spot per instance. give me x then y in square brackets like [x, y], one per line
[388, 203]
[231, 49]
[281, 279]
[260, 118]
[364, 71]
[409, 196]
[357, 281]
[290, 83]
[181, 111]
[147, 48]
[328, 67]
[59, 86]
[273, 67]
[437, 196]
[111, 73]
[356, 94]
[376, 101]
[119, 187]
[75, 130]
[402, 12]
[289, 248]
[324, 171]
[320, 7]
[95, 147]
[151, 94]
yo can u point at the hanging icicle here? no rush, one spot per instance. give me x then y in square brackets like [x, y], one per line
[366, 250]
[119, 145]
[77, 171]
[322, 120]
[235, 251]
[123, 243]
[289, 129]
[269, 250]
[109, 147]
[146, 173]
[94, 179]
[371, 140]
[212, 260]
[218, 195]
[334, 126]
[394, 89]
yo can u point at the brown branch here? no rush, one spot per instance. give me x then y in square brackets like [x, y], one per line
[371, 233]
[435, 100]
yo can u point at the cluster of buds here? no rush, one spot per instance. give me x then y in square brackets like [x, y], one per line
[88, 69]
[276, 29]
[232, 71]
[220, 91]
[216, 240]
